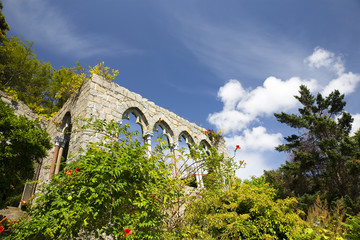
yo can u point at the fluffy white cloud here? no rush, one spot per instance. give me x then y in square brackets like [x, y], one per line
[324, 58]
[255, 139]
[231, 93]
[241, 107]
[254, 145]
[273, 96]
[246, 107]
[256, 163]
[230, 120]
[346, 83]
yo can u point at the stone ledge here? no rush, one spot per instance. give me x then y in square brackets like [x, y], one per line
[12, 213]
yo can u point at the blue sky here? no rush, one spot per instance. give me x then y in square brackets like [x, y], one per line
[221, 64]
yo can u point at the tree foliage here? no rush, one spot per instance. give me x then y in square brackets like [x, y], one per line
[248, 210]
[3, 25]
[22, 144]
[117, 188]
[44, 89]
[324, 158]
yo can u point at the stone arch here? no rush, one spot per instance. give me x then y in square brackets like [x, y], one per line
[187, 137]
[206, 145]
[140, 117]
[166, 130]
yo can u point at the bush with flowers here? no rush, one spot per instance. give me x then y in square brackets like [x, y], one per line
[116, 188]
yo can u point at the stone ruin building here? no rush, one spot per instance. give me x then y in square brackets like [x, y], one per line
[103, 99]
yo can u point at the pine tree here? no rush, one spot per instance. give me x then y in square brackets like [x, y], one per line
[324, 158]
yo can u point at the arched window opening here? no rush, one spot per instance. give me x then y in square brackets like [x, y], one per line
[162, 140]
[188, 168]
[184, 160]
[206, 146]
[139, 117]
[162, 128]
[135, 123]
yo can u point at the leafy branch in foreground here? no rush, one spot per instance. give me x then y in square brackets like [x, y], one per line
[22, 145]
[116, 185]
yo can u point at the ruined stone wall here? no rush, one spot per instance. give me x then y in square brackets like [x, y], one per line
[103, 99]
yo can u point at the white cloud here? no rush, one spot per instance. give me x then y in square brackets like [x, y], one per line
[273, 96]
[246, 107]
[255, 139]
[241, 107]
[346, 83]
[324, 58]
[230, 120]
[256, 163]
[255, 145]
[231, 93]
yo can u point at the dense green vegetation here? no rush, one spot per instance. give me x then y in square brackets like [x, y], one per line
[22, 144]
[118, 188]
[324, 157]
[115, 186]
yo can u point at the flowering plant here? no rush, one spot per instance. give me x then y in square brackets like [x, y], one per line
[116, 187]
[127, 231]
[213, 136]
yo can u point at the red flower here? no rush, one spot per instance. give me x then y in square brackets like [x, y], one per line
[69, 172]
[77, 170]
[127, 231]
[1, 229]
[205, 132]
[237, 147]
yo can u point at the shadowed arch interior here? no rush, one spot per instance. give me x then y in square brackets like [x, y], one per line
[140, 117]
[187, 137]
[166, 130]
[206, 146]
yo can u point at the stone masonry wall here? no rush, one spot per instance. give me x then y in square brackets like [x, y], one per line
[103, 99]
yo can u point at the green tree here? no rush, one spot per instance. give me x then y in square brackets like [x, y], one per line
[3, 25]
[247, 211]
[22, 144]
[24, 77]
[324, 158]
